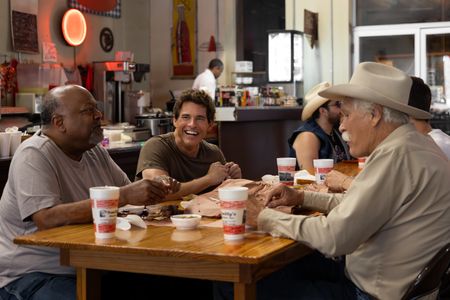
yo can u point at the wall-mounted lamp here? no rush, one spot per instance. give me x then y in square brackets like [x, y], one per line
[74, 27]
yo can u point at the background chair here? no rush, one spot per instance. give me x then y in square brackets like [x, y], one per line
[428, 282]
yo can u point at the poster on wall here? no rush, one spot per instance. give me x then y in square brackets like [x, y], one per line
[183, 39]
[24, 25]
[109, 8]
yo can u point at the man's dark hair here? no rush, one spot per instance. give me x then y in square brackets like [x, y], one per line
[215, 63]
[198, 97]
[419, 95]
[49, 105]
[316, 114]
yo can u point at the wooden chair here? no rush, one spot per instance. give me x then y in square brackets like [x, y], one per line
[428, 282]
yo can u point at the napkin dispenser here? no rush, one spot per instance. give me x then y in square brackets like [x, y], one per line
[30, 101]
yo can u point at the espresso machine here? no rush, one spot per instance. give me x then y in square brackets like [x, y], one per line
[111, 79]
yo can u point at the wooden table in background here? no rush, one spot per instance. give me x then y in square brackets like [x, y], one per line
[349, 168]
[200, 254]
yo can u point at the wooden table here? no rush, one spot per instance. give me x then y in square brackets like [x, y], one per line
[349, 167]
[201, 254]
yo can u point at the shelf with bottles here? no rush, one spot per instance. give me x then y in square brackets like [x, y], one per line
[234, 95]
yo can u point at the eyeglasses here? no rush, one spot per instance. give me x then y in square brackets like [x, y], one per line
[337, 104]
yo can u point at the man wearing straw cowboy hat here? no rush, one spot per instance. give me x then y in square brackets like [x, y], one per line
[392, 220]
[317, 137]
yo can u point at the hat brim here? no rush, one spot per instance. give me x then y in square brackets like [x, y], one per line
[312, 106]
[359, 92]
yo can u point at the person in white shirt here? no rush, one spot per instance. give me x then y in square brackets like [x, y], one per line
[420, 97]
[207, 80]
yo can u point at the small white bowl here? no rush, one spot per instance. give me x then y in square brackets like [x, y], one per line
[186, 221]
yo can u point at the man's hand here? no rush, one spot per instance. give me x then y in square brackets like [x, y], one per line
[283, 195]
[253, 208]
[172, 185]
[217, 173]
[337, 182]
[234, 171]
[145, 192]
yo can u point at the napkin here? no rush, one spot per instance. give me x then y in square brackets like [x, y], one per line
[126, 222]
[303, 175]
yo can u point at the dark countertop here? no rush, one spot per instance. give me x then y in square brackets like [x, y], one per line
[258, 113]
[124, 147]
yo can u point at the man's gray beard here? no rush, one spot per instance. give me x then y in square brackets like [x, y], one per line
[96, 137]
[346, 136]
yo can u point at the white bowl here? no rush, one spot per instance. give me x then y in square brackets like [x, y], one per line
[186, 221]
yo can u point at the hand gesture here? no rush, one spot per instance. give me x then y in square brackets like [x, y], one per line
[336, 181]
[171, 185]
[217, 173]
[283, 195]
[234, 171]
[145, 192]
[253, 208]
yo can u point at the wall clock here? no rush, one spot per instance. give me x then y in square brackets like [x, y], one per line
[106, 39]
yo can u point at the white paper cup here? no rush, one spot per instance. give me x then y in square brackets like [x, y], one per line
[361, 162]
[104, 204]
[286, 169]
[5, 143]
[232, 207]
[322, 167]
[16, 138]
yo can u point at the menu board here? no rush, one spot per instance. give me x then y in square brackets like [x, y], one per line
[24, 32]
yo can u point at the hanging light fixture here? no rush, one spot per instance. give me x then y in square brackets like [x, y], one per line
[74, 27]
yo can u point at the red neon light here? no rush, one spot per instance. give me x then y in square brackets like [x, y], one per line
[74, 27]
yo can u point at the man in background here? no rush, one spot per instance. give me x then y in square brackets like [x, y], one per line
[420, 97]
[48, 186]
[184, 154]
[318, 137]
[207, 80]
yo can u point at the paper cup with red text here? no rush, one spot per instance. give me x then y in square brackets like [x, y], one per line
[232, 207]
[322, 167]
[286, 169]
[104, 204]
[361, 162]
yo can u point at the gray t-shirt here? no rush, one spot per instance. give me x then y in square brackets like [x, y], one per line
[42, 176]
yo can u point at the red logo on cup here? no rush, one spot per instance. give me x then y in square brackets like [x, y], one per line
[105, 227]
[232, 204]
[228, 229]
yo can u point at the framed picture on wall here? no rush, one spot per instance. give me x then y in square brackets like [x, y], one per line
[109, 8]
[183, 38]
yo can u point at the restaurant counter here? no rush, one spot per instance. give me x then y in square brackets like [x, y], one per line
[126, 155]
[254, 137]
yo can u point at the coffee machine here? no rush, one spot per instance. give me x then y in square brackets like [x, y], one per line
[111, 79]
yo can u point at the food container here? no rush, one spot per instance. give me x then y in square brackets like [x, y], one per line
[186, 221]
[114, 135]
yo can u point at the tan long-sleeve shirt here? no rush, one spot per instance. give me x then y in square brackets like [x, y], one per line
[393, 219]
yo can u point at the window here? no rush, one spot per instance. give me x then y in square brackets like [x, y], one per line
[381, 12]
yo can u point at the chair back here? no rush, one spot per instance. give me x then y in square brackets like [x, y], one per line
[427, 283]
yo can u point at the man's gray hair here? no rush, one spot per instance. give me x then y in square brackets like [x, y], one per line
[389, 115]
[49, 105]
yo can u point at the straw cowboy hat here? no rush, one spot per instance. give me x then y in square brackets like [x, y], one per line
[313, 100]
[378, 83]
